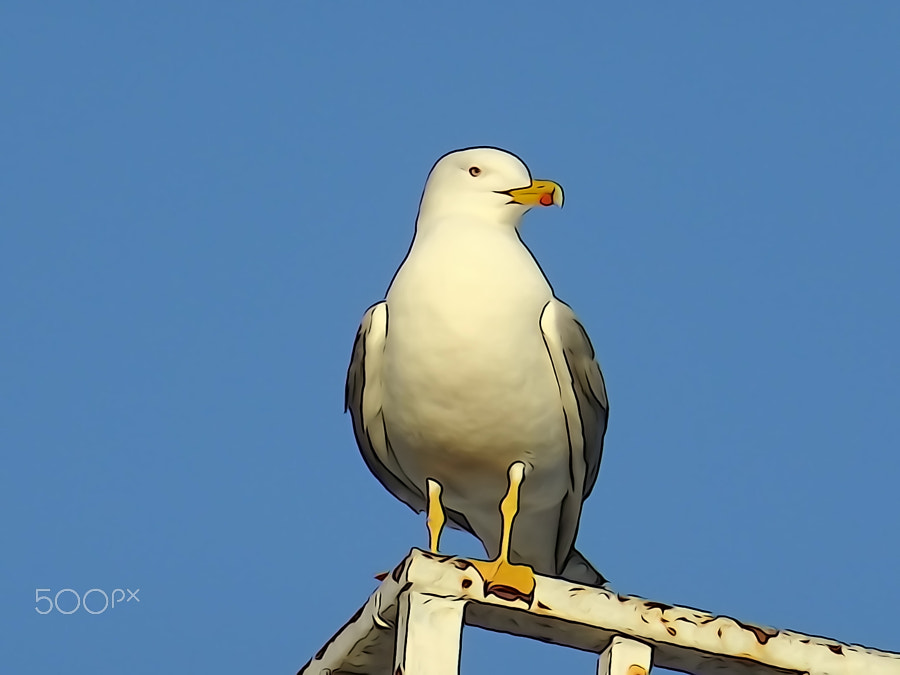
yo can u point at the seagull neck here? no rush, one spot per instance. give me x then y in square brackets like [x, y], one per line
[505, 219]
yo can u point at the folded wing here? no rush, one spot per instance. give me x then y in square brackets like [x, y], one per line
[583, 397]
[363, 397]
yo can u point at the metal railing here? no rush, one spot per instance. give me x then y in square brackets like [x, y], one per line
[412, 625]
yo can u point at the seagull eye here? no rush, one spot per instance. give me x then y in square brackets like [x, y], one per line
[474, 171]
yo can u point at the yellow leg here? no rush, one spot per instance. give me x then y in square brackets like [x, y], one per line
[501, 577]
[436, 518]
[509, 507]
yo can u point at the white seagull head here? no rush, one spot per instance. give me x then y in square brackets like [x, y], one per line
[486, 183]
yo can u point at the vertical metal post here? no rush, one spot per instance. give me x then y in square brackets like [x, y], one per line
[429, 635]
[625, 657]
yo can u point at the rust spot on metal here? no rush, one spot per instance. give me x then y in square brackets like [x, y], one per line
[541, 605]
[762, 635]
[837, 649]
[466, 583]
[431, 555]
[670, 630]
[650, 604]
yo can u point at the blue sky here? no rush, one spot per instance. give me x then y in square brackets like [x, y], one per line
[199, 200]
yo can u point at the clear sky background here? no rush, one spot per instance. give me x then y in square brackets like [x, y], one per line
[199, 200]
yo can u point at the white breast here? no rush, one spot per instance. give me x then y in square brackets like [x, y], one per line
[466, 369]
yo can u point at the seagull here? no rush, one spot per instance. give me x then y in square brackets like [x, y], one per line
[471, 380]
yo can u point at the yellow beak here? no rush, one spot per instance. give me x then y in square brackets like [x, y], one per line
[539, 193]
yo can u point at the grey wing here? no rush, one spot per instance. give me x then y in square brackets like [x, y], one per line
[363, 397]
[585, 406]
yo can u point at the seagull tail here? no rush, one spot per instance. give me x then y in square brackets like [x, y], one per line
[579, 570]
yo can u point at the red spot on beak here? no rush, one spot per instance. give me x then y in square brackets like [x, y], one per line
[546, 200]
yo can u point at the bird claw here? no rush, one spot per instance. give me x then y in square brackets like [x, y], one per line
[505, 580]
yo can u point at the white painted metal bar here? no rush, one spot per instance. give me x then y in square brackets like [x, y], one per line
[625, 657]
[429, 630]
[563, 613]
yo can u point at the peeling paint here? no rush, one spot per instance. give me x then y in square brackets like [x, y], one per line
[661, 606]
[762, 635]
